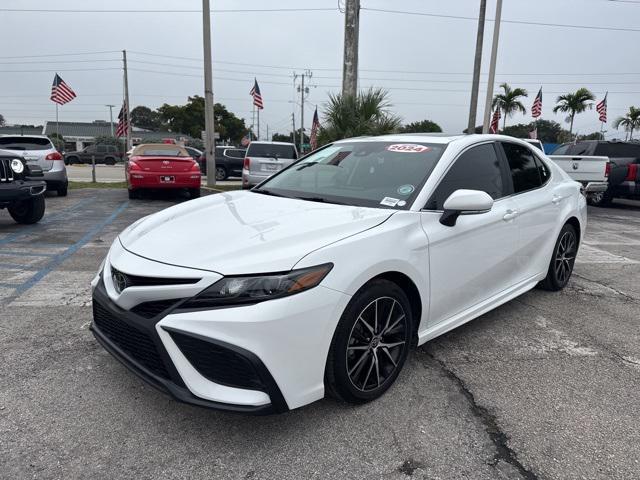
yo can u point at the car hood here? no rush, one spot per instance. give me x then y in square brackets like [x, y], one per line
[245, 232]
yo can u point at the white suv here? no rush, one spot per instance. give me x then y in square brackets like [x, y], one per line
[263, 159]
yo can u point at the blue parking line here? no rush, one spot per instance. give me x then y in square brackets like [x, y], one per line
[28, 229]
[86, 238]
[22, 253]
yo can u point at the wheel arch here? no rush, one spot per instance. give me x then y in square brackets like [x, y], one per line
[575, 223]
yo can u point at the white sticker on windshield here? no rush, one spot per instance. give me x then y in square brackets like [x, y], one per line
[408, 148]
[389, 201]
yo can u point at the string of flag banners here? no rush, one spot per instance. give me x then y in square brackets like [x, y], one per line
[62, 93]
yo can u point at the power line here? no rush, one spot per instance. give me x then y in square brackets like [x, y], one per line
[516, 22]
[62, 54]
[50, 70]
[244, 10]
[57, 62]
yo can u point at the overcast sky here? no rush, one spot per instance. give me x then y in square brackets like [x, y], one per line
[559, 59]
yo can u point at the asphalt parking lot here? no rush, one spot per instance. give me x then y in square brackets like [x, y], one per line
[547, 386]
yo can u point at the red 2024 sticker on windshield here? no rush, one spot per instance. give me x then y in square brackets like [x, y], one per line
[408, 148]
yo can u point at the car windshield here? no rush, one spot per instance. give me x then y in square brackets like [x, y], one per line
[369, 174]
[25, 143]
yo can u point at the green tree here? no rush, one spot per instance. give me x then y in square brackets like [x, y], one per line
[281, 137]
[572, 103]
[548, 130]
[2, 121]
[57, 140]
[367, 113]
[424, 126]
[144, 117]
[630, 121]
[508, 101]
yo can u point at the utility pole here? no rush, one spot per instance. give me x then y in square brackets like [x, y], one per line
[126, 101]
[268, 139]
[351, 34]
[302, 116]
[111, 117]
[209, 140]
[293, 128]
[492, 67]
[477, 63]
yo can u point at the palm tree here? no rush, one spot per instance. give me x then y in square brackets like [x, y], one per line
[630, 121]
[573, 103]
[508, 101]
[367, 113]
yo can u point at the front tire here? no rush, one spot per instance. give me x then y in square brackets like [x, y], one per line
[194, 192]
[62, 191]
[370, 344]
[562, 261]
[221, 173]
[28, 211]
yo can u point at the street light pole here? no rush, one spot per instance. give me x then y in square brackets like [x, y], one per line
[492, 67]
[111, 117]
[477, 63]
[209, 129]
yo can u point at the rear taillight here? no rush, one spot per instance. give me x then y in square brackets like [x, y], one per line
[134, 166]
[195, 167]
[632, 172]
[246, 165]
[607, 169]
[53, 156]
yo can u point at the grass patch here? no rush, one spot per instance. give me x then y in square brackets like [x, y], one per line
[77, 185]
[225, 188]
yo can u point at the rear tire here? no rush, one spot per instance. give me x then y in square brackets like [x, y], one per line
[221, 173]
[370, 344]
[62, 191]
[562, 260]
[72, 160]
[28, 211]
[194, 192]
[109, 161]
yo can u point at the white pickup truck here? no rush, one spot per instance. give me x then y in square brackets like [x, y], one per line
[591, 172]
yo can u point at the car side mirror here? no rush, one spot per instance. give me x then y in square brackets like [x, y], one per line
[465, 202]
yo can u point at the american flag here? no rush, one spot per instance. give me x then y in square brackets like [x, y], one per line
[123, 122]
[536, 108]
[534, 133]
[246, 140]
[601, 108]
[315, 125]
[495, 121]
[257, 97]
[61, 93]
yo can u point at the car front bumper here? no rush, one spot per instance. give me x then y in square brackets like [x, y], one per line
[282, 343]
[20, 190]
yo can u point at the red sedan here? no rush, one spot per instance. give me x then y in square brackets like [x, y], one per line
[162, 166]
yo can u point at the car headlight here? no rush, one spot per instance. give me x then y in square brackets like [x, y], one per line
[249, 289]
[17, 166]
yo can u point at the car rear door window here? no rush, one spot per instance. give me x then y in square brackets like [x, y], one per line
[524, 169]
[271, 150]
[235, 153]
[25, 143]
[476, 169]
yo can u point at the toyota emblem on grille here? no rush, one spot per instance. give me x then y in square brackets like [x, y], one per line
[120, 280]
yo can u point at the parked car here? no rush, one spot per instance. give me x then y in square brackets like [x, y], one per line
[322, 278]
[561, 149]
[194, 153]
[21, 188]
[229, 161]
[591, 172]
[623, 169]
[263, 159]
[38, 150]
[107, 154]
[162, 166]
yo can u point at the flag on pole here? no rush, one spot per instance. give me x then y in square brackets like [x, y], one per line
[61, 93]
[315, 125]
[257, 97]
[534, 133]
[495, 121]
[123, 122]
[601, 108]
[536, 108]
[246, 140]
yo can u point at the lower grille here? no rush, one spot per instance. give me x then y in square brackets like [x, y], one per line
[217, 363]
[132, 341]
[153, 308]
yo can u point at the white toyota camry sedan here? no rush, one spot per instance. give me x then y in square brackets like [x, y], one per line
[322, 278]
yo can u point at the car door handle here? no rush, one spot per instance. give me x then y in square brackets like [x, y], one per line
[510, 215]
[556, 199]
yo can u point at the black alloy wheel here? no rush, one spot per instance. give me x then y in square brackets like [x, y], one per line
[564, 257]
[221, 173]
[371, 343]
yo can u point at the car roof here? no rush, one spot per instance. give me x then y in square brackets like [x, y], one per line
[24, 136]
[436, 138]
[258, 142]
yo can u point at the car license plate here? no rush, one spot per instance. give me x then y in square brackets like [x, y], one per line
[271, 167]
[167, 179]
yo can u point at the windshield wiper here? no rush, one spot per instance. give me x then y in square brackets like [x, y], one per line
[264, 191]
[319, 200]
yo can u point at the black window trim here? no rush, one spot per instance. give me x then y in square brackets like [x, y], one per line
[504, 170]
[536, 158]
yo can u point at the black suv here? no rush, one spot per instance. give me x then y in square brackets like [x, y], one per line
[229, 162]
[21, 191]
[107, 154]
[624, 167]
